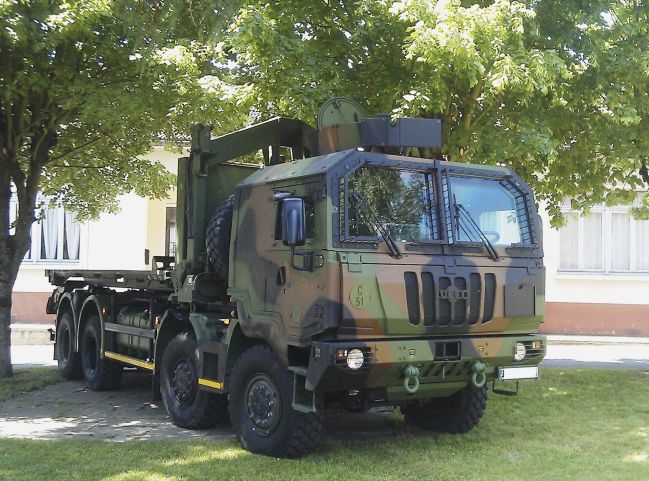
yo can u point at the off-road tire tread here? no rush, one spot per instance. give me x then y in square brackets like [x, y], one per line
[109, 373]
[217, 238]
[471, 407]
[73, 370]
[306, 427]
[216, 405]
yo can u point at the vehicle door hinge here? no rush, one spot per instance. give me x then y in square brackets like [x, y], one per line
[352, 259]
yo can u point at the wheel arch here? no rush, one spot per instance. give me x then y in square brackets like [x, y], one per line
[173, 322]
[65, 305]
[93, 304]
[238, 342]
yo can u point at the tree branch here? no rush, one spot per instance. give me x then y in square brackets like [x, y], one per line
[73, 149]
[78, 166]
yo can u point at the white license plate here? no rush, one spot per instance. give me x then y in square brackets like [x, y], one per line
[527, 372]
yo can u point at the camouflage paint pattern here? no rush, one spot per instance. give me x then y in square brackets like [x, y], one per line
[357, 295]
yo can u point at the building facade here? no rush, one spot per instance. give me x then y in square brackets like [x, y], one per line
[141, 229]
[597, 273]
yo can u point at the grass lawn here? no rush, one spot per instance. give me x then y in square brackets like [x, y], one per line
[573, 424]
[28, 379]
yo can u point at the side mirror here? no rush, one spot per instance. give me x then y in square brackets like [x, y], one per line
[293, 222]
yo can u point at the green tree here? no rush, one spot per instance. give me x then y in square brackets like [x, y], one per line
[85, 88]
[556, 90]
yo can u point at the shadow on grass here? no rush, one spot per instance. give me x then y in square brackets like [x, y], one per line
[573, 424]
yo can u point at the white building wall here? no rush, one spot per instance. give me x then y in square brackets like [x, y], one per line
[114, 241]
[586, 287]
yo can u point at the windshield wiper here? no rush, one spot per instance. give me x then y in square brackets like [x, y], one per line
[473, 228]
[371, 218]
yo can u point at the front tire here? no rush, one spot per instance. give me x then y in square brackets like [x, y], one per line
[261, 394]
[101, 374]
[69, 361]
[455, 414]
[188, 407]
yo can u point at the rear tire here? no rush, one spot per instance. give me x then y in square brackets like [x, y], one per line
[69, 361]
[261, 394]
[455, 414]
[101, 374]
[187, 406]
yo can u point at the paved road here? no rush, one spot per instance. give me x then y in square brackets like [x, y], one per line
[605, 356]
[68, 410]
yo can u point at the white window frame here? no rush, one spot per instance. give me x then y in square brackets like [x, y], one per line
[34, 252]
[607, 243]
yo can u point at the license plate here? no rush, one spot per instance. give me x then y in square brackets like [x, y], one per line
[527, 372]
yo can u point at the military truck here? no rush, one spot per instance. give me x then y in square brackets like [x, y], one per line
[352, 269]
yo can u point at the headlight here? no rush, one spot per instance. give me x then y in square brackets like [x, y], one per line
[519, 352]
[355, 359]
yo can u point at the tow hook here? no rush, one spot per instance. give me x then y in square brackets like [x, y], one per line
[478, 378]
[411, 379]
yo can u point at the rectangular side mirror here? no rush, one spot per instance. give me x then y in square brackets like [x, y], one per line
[293, 222]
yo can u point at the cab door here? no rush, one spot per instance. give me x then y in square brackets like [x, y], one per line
[298, 297]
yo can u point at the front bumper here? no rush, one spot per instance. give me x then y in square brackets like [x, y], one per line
[444, 364]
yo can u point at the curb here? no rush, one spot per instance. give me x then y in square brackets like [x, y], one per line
[30, 334]
[556, 339]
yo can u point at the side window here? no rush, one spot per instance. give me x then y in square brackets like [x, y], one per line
[309, 207]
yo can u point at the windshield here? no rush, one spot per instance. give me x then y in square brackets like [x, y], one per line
[401, 201]
[494, 206]
[399, 205]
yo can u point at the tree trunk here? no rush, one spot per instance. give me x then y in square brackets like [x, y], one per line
[5, 334]
[13, 247]
[6, 277]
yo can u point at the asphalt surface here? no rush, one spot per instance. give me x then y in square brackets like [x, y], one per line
[68, 410]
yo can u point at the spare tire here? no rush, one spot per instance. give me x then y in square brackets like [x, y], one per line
[217, 238]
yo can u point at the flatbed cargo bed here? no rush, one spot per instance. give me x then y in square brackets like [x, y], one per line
[128, 279]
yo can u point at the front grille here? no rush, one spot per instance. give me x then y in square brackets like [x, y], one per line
[449, 301]
[443, 370]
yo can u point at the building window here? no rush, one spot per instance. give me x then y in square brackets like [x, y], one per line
[170, 232]
[56, 236]
[608, 240]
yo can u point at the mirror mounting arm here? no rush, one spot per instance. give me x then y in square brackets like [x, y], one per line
[307, 260]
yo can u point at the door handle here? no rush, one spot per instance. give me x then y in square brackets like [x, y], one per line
[281, 276]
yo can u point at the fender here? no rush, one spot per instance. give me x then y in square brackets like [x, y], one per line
[66, 300]
[172, 322]
[95, 303]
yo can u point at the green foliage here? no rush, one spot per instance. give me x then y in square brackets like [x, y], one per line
[86, 88]
[556, 90]
[98, 78]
